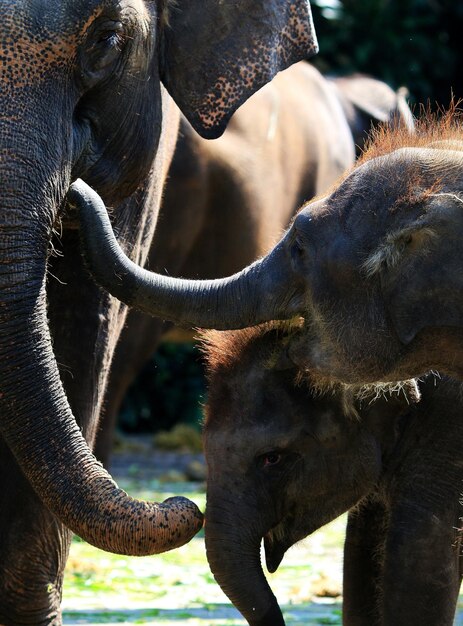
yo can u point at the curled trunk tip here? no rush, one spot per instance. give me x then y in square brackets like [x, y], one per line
[165, 526]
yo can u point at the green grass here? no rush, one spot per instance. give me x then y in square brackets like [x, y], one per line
[178, 588]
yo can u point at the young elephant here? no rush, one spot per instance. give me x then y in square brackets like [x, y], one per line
[374, 267]
[283, 460]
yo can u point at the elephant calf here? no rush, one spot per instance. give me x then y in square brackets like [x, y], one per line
[374, 267]
[284, 459]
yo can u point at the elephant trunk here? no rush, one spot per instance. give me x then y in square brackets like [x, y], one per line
[266, 290]
[36, 420]
[233, 553]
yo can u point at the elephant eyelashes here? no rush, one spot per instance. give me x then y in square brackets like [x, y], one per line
[109, 43]
[112, 39]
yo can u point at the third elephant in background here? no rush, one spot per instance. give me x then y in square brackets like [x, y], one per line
[367, 101]
[228, 200]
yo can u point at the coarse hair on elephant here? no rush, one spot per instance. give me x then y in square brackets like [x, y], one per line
[285, 458]
[228, 201]
[83, 93]
[373, 266]
[367, 102]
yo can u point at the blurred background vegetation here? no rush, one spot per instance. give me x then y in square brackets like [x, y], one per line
[169, 390]
[416, 43]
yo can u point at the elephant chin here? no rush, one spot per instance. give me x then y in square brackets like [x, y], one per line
[275, 550]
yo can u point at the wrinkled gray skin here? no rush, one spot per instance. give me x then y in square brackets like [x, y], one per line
[227, 201]
[373, 267]
[81, 96]
[283, 461]
[367, 101]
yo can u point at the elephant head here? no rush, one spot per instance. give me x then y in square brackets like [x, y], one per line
[373, 267]
[282, 458]
[81, 96]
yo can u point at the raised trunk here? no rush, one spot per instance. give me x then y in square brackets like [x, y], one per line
[266, 290]
[37, 423]
[233, 553]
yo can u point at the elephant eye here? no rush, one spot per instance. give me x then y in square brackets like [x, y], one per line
[297, 249]
[112, 36]
[271, 458]
[104, 46]
[297, 253]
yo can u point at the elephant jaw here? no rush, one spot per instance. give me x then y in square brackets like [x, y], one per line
[283, 536]
[274, 552]
[276, 541]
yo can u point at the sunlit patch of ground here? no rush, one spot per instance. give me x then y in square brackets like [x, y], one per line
[178, 588]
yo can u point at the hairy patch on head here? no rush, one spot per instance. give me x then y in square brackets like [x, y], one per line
[442, 130]
[232, 357]
[227, 349]
[390, 251]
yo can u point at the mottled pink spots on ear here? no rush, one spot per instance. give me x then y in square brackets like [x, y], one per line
[261, 39]
[259, 64]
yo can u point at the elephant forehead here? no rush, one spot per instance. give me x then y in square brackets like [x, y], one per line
[31, 47]
[41, 36]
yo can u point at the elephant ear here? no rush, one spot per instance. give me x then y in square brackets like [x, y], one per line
[368, 101]
[217, 53]
[421, 271]
[369, 96]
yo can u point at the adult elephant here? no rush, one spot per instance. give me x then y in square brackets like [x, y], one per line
[227, 201]
[373, 267]
[81, 95]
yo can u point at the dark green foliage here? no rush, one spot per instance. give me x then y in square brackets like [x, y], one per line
[416, 43]
[167, 391]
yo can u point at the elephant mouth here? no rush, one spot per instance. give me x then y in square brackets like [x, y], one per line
[276, 541]
[67, 218]
[274, 552]
[284, 535]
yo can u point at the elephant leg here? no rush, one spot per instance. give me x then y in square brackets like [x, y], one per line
[33, 551]
[362, 550]
[421, 578]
